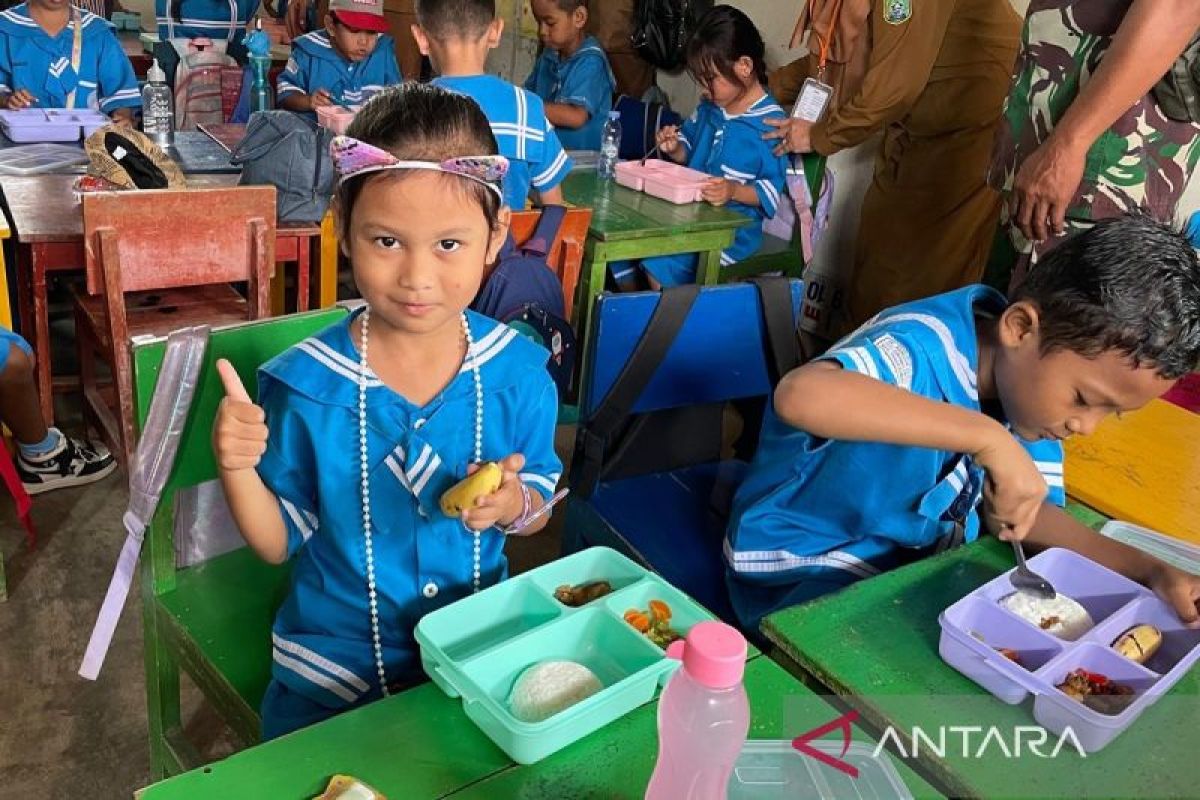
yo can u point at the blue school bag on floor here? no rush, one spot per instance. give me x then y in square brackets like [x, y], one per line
[524, 293]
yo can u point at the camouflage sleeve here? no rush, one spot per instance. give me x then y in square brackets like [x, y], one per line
[905, 39]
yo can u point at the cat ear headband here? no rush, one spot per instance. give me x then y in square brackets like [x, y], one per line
[352, 157]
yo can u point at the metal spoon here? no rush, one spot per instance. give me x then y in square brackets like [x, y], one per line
[653, 150]
[1026, 580]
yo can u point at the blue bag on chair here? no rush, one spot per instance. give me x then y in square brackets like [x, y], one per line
[640, 121]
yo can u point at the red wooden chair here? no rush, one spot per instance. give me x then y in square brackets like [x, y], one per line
[158, 261]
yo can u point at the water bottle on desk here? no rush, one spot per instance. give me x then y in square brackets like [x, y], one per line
[610, 146]
[703, 716]
[258, 45]
[158, 117]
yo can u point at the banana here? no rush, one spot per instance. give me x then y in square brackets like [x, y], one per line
[1139, 643]
[462, 495]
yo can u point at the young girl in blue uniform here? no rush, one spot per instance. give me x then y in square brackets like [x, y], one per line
[219, 20]
[54, 55]
[360, 429]
[571, 75]
[724, 137]
[345, 64]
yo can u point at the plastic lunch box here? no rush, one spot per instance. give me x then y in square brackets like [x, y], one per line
[336, 118]
[771, 768]
[663, 179]
[976, 624]
[51, 124]
[477, 647]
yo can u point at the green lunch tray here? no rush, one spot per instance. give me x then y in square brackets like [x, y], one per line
[478, 647]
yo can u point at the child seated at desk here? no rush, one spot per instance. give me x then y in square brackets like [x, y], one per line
[345, 64]
[878, 453]
[54, 55]
[219, 20]
[572, 74]
[725, 55]
[456, 35]
[363, 427]
[46, 459]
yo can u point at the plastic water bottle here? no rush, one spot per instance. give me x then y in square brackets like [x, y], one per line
[258, 45]
[158, 117]
[610, 146]
[703, 716]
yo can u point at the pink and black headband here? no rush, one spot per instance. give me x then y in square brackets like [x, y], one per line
[352, 157]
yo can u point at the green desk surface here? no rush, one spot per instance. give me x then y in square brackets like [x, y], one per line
[415, 745]
[617, 762]
[876, 644]
[620, 214]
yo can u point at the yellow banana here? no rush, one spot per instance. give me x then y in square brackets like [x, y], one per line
[462, 495]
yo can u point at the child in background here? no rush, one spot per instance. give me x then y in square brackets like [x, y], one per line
[46, 459]
[54, 55]
[219, 20]
[360, 429]
[724, 137]
[345, 64]
[571, 75]
[878, 453]
[456, 35]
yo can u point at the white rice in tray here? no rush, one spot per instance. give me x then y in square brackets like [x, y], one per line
[1061, 617]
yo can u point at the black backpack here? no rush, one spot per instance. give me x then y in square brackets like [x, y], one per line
[662, 27]
[524, 293]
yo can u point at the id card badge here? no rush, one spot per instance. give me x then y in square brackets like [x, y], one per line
[813, 100]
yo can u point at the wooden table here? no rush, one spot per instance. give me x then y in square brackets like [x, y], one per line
[420, 745]
[48, 224]
[876, 645]
[632, 225]
[1144, 468]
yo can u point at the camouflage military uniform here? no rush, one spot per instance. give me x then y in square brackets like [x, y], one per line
[1142, 162]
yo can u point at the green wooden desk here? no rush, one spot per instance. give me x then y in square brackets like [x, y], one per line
[628, 225]
[617, 762]
[421, 745]
[876, 644]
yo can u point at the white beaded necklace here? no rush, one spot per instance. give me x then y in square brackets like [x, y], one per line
[364, 480]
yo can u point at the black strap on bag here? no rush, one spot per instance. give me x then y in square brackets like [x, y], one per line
[672, 311]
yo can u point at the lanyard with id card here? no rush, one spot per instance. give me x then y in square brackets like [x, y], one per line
[815, 94]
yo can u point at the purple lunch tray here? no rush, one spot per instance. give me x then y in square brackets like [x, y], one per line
[28, 125]
[975, 626]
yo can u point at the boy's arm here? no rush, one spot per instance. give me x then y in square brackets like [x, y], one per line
[831, 402]
[551, 168]
[552, 197]
[291, 92]
[565, 115]
[1056, 528]
[586, 87]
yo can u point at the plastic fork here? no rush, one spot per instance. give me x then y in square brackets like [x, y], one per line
[1026, 580]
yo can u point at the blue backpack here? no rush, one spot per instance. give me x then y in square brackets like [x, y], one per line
[524, 292]
[640, 121]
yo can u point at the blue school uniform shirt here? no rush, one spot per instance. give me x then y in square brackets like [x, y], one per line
[219, 20]
[584, 79]
[523, 134]
[32, 60]
[321, 640]
[315, 64]
[814, 515]
[731, 147]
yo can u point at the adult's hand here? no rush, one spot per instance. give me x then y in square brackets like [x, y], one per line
[1044, 186]
[296, 18]
[794, 135]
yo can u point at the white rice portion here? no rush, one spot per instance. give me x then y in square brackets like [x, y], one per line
[547, 688]
[1073, 619]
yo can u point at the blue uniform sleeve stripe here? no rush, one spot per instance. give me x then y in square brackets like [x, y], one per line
[860, 359]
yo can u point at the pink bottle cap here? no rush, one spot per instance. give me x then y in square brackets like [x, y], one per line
[714, 654]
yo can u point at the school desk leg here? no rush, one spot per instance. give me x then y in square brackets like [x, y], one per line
[278, 286]
[590, 288]
[162, 694]
[327, 282]
[709, 273]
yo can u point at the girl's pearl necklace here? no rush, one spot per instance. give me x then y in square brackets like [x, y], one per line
[364, 480]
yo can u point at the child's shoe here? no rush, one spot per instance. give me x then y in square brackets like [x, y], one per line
[73, 463]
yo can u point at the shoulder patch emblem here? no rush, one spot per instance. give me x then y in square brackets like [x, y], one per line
[896, 12]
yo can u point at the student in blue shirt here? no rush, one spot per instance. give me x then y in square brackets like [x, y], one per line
[41, 65]
[724, 138]
[219, 20]
[878, 453]
[572, 74]
[360, 429]
[457, 35]
[345, 64]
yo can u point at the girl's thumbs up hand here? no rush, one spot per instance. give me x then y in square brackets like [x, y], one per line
[240, 432]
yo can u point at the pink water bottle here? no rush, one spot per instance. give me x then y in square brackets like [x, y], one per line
[703, 716]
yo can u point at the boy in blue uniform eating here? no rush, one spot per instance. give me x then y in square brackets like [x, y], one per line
[53, 55]
[878, 453]
[457, 36]
[572, 74]
[345, 64]
[360, 429]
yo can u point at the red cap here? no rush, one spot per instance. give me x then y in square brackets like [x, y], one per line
[365, 15]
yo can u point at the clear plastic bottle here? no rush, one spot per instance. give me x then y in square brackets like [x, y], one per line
[610, 146]
[703, 716]
[158, 116]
